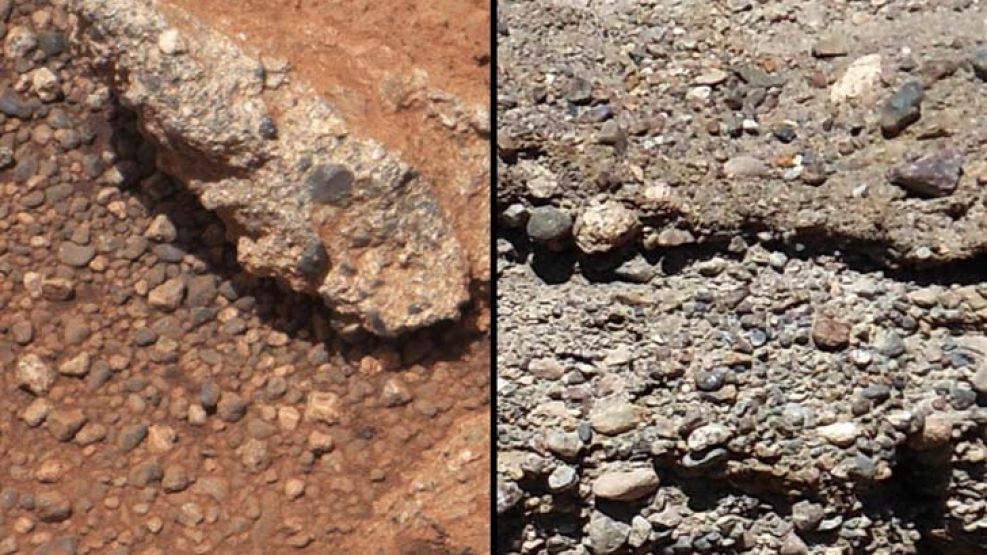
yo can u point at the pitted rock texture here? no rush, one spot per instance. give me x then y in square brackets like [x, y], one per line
[308, 204]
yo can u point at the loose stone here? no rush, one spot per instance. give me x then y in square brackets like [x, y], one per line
[549, 226]
[902, 109]
[934, 175]
[604, 227]
[34, 375]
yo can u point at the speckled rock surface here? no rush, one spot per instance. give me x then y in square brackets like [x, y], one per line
[323, 212]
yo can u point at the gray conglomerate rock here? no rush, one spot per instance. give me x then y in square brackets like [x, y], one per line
[747, 345]
[304, 201]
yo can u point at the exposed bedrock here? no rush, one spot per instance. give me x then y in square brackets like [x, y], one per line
[304, 201]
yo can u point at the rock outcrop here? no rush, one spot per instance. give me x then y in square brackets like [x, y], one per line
[304, 201]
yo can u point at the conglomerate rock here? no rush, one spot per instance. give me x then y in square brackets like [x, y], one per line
[305, 202]
[787, 356]
[750, 134]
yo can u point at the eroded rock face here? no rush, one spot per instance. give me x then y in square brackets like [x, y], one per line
[304, 201]
[808, 165]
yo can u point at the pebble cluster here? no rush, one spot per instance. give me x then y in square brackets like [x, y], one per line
[154, 397]
[766, 386]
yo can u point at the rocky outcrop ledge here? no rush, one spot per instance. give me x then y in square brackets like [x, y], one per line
[303, 200]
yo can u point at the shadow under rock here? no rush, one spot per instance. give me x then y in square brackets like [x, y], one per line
[858, 256]
[553, 267]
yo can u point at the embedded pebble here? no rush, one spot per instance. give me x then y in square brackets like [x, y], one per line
[626, 485]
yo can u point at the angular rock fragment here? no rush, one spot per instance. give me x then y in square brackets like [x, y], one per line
[934, 175]
[65, 423]
[323, 407]
[324, 212]
[46, 84]
[829, 333]
[606, 535]
[859, 82]
[806, 515]
[34, 375]
[168, 295]
[76, 366]
[902, 109]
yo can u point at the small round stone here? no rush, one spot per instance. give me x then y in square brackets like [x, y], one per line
[548, 224]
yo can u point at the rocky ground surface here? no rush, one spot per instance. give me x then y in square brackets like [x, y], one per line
[156, 397]
[428, 106]
[741, 308]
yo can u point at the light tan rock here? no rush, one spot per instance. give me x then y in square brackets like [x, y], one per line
[34, 375]
[860, 82]
[319, 442]
[626, 485]
[76, 366]
[310, 204]
[604, 227]
[842, 434]
[323, 407]
[35, 413]
[161, 438]
[167, 296]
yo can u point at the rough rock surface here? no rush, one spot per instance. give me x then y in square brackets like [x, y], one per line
[773, 140]
[790, 344]
[324, 212]
[149, 421]
[747, 405]
[429, 106]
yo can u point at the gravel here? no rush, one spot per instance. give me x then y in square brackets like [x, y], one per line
[154, 390]
[739, 302]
